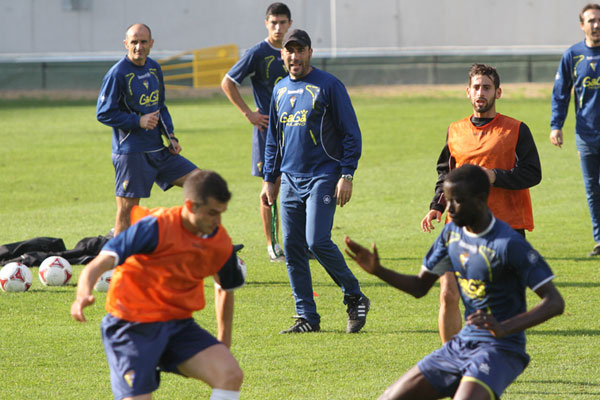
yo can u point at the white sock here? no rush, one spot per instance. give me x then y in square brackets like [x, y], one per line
[222, 394]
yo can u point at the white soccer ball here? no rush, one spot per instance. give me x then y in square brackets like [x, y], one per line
[55, 271]
[15, 277]
[104, 281]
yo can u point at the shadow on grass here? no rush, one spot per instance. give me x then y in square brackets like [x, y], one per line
[54, 289]
[571, 393]
[558, 382]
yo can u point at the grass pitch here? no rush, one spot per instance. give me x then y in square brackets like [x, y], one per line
[57, 180]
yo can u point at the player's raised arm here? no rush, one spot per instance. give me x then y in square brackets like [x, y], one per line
[415, 285]
[88, 277]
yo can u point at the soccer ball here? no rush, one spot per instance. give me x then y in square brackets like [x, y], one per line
[15, 277]
[55, 271]
[103, 282]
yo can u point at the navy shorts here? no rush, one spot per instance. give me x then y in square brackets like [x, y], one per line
[258, 151]
[481, 362]
[138, 352]
[135, 173]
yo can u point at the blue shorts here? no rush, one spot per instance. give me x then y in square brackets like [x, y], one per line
[258, 151]
[482, 362]
[135, 173]
[138, 352]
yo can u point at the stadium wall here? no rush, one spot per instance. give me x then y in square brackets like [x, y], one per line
[54, 44]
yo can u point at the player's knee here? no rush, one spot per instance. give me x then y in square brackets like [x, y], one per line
[231, 377]
[318, 245]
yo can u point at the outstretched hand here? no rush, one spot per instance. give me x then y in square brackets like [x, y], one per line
[363, 257]
[79, 304]
[427, 222]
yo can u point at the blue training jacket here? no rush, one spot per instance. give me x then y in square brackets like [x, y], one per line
[578, 68]
[129, 91]
[264, 65]
[313, 129]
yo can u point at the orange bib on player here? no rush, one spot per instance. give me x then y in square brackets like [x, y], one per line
[493, 146]
[168, 283]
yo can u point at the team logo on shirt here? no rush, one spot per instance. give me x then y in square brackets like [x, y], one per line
[533, 256]
[146, 85]
[464, 258]
[149, 99]
[485, 368]
[593, 65]
[293, 101]
[591, 83]
[129, 377]
[296, 119]
[472, 288]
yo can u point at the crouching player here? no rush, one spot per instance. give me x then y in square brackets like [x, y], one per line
[161, 261]
[493, 265]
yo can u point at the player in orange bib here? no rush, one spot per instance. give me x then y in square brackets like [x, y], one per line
[506, 151]
[161, 261]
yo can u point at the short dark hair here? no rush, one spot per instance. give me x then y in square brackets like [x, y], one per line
[589, 6]
[144, 25]
[278, 9]
[486, 70]
[202, 184]
[475, 179]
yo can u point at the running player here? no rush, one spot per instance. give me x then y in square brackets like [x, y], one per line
[132, 102]
[161, 262]
[492, 265]
[264, 64]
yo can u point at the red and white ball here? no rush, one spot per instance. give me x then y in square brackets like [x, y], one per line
[15, 277]
[55, 271]
[104, 281]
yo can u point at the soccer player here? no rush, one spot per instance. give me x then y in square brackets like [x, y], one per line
[132, 102]
[263, 62]
[492, 265]
[579, 69]
[313, 143]
[161, 261]
[505, 149]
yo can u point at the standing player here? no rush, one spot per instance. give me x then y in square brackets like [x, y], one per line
[263, 62]
[579, 69]
[132, 102]
[314, 144]
[161, 262]
[493, 265]
[505, 149]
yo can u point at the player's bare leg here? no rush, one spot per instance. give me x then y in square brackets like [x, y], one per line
[471, 390]
[216, 366]
[449, 318]
[411, 386]
[124, 206]
[267, 216]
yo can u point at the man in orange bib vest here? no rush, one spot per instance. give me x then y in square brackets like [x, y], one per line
[506, 151]
[160, 264]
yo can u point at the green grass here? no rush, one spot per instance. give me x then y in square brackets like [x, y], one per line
[56, 179]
